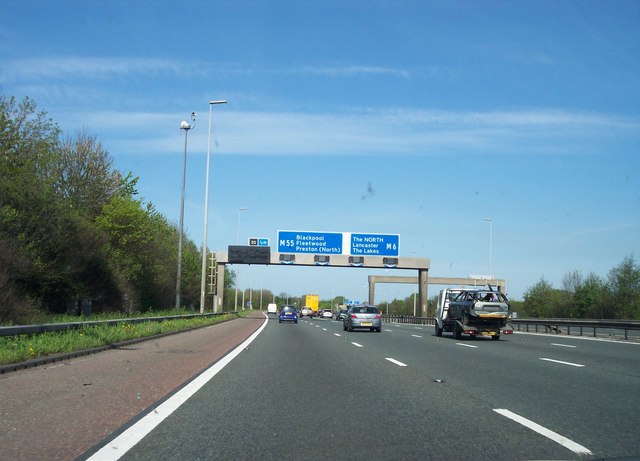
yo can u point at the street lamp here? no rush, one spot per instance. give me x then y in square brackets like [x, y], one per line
[184, 125]
[238, 243]
[490, 221]
[206, 213]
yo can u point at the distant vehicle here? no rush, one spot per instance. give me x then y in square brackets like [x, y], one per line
[305, 312]
[476, 311]
[362, 316]
[272, 308]
[341, 314]
[327, 314]
[311, 302]
[288, 314]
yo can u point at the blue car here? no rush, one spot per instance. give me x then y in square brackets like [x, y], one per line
[288, 314]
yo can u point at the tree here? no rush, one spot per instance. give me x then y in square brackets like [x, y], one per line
[542, 300]
[82, 174]
[624, 286]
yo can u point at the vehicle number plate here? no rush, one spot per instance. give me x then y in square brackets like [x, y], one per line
[366, 324]
[488, 333]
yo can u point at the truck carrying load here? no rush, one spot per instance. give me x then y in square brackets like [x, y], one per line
[475, 311]
[311, 302]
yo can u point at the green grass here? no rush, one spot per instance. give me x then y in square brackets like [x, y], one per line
[14, 349]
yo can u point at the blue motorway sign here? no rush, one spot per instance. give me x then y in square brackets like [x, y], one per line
[326, 243]
[374, 244]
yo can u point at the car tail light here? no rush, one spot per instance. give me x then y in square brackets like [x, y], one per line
[378, 316]
[353, 316]
[507, 332]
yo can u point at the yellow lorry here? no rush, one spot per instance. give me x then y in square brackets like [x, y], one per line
[311, 302]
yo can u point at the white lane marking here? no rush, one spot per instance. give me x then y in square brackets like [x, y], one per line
[416, 336]
[324, 329]
[563, 345]
[400, 364]
[466, 345]
[565, 442]
[387, 329]
[357, 345]
[336, 334]
[129, 438]
[563, 363]
[417, 328]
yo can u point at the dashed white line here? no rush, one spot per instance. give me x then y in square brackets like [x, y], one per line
[337, 334]
[357, 345]
[565, 442]
[417, 328]
[400, 364]
[466, 345]
[416, 336]
[563, 345]
[561, 362]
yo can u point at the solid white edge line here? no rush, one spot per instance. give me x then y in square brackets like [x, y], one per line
[562, 363]
[400, 364]
[115, 449]
[565, 442]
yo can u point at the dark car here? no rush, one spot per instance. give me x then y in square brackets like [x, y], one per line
[288, 314]
[342, 313]
[363, 316]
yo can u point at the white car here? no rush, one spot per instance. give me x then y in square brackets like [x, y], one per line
[272, 308]
[327, 314]
[305, 312]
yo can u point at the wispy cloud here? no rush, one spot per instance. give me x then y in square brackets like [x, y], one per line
[364, 132]
[75, 67]
[607, 229]
[35, 69]
[351, 70]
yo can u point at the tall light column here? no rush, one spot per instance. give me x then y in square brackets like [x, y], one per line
[490, 221]
[206, 213]
[238, 243]
[184, 125]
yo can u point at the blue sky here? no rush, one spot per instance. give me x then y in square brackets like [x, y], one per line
[417, 118]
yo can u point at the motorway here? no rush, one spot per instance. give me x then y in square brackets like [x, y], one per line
[314, 391]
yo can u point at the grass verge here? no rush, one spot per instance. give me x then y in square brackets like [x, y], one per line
[15, 349]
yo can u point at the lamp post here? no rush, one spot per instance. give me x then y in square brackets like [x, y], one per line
[238, 243]
[490, 221]
[206, 213]
[184, 125]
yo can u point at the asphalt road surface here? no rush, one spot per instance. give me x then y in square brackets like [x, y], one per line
[314, 391]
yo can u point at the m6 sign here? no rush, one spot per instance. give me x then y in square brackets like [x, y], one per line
[374, 245]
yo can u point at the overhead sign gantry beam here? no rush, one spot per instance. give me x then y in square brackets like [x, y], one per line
[263, 256]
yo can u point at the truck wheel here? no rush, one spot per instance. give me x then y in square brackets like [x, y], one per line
[457, 333]
[496, 337]
[438, 330]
